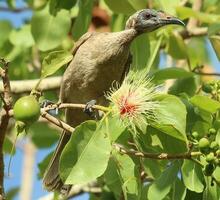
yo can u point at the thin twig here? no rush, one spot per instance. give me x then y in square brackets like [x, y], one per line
[158, 156]
[15, 10]
[206, 74]
[57, 122]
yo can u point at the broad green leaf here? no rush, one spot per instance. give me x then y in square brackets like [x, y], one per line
[178, 190]
[171, 117]
[43, 165]
[5, 28]
[138, 4]
[12, 193]
[112, 178]
[214, 29]
[113, 127]
[49, 31]
[183, 85]
[192, 176]
[197, 51]
[140, 49]
[162, 185]
[8, 145]
[22, 37]
[42, 135]
[169, 5]
[185, 12]
[176, 46]
[56, 5]
[54, 61]
[86, 155]
[215, 41]
[171, 73]
[129, 176]
[205, 103]
[120, 6]
[83, 19]
[118, 22]
[212, 190]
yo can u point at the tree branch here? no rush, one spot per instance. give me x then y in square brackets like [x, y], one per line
[22, 86]
[4, 117]
[15, 10]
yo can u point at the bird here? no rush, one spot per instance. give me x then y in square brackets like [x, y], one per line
[99, 60]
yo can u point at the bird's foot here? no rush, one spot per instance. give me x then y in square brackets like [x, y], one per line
[88, 108]
[53, 111]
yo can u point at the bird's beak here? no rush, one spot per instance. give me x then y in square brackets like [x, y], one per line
[165, 19]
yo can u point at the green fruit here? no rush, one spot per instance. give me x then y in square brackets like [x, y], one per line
[210, 158]
[206, 88]
[203, 143]
[195, 134]
[27, 109]
[209, 169]
[214, 145]
[212, 131]
[218, 152]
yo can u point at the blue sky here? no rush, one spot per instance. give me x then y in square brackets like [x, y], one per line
[17, 19]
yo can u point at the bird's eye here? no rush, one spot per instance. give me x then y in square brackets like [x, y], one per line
[147, 15]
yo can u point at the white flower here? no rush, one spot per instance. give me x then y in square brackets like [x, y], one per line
[134, 101]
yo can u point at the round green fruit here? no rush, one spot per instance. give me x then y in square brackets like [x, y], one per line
[210, 157]
[27, 109]
[195, 134]
[203, 143]
[206, 88]
[214, 145]
[212, 131]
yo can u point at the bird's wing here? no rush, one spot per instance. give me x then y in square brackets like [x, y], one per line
[126, 67]
[81, 40]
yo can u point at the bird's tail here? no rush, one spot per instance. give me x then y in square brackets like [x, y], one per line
[51, 179]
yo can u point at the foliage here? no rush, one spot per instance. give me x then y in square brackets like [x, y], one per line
[105, 150]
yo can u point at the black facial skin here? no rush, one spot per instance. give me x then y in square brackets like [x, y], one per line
[149, 20]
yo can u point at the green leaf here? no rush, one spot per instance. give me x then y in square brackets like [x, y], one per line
[7, 146]
[162, 185]
[83, 19]
[212, 190]
[56, 5]
[178, 190]
[169, 6]
[192, 176]
[215, 41]
[176, 46]
[171, 73]
[118, 22]
[171, 118]
[54, 61]
[183, 85]
[140, 58]
[129, 176]
[49, 31]
[22, 37]
[120, 6]
[138, 4]
[86, 155]
[42, 166]
[5, 28]
[42, 135]
[112, 178]
[113, 127]
[185, 12]
[12, 193]
[205, 103]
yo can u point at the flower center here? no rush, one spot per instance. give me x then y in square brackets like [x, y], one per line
[127, 107]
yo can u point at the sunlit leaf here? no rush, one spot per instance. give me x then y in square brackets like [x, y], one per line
[215, 41]
[86, 155]
[49, 31]
[54, 61]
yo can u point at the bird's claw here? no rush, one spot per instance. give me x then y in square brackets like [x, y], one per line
[88, 108]
[47, 103]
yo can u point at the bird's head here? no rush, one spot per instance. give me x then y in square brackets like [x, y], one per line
[148, 20]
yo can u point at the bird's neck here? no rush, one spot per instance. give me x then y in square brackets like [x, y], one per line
[129, 35]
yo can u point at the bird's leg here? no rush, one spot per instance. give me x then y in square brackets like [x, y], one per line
[89, 110]
[46, 103]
